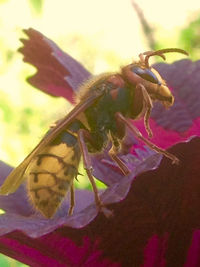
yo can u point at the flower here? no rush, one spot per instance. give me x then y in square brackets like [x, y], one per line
[156, 214]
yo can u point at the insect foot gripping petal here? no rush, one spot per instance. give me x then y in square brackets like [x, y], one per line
[50, 176]
[151, 145]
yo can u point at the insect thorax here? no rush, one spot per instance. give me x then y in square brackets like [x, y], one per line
[101, 115]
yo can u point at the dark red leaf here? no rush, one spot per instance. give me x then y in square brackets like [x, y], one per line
[156, 225]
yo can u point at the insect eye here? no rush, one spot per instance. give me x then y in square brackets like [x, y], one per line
[146, 74]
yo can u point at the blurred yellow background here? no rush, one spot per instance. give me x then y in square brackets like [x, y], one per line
[100, 34]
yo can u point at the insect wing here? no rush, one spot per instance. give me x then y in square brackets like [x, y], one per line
[16, 177]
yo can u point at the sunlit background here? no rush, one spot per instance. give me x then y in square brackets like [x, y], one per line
[101, 34]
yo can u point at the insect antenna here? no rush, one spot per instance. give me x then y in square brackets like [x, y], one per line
[149, 54]
[161, 53]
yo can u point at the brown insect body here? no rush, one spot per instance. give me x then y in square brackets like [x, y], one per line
[105, 106]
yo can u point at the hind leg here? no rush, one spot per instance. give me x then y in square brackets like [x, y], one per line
[72, 200]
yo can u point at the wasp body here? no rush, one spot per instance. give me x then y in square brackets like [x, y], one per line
[105, 107]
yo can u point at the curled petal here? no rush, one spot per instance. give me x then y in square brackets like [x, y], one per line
[58, 74]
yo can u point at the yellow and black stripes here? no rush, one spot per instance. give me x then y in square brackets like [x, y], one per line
[51, 173]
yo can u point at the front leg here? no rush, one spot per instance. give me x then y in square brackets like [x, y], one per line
[148, 107]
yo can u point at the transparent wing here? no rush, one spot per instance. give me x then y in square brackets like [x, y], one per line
[16, 177]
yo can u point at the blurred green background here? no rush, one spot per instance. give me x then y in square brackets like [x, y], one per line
[103, 35]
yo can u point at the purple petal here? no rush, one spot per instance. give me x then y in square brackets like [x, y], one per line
[109, 173]
[5, 170]
[183, 78]
[58, 74]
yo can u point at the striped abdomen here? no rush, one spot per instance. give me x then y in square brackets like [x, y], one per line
[51, 172]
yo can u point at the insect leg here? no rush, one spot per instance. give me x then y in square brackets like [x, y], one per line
[82, 136]
[138, 134]
[113, 154]
[149, 106]
[72, 199]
